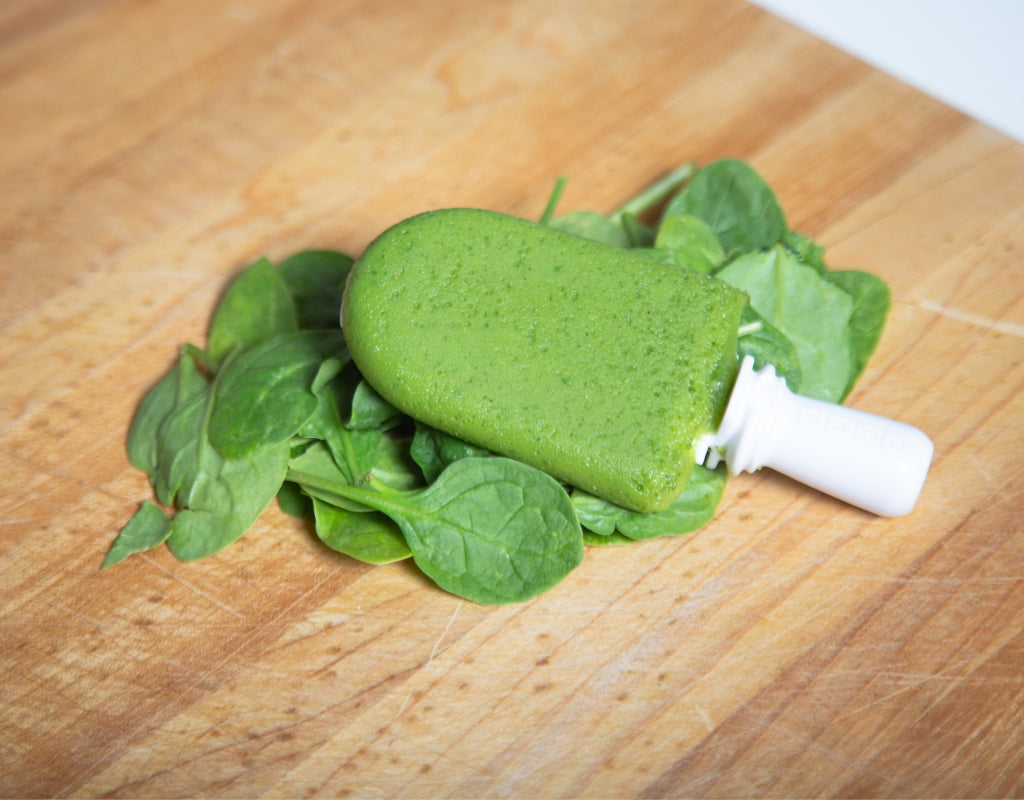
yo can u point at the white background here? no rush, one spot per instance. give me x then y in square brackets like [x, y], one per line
[967, 53]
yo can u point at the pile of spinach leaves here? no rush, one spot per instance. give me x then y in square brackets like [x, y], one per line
[274, 408]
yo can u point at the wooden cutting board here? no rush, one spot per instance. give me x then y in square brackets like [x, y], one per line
[793, 647]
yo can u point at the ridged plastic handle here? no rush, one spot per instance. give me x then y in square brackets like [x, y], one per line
[866, 460]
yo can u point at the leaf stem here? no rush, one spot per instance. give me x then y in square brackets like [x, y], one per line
[656, 193]
[556, 195]
[380, 498]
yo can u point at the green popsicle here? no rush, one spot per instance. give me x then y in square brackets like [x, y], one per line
[597, 365]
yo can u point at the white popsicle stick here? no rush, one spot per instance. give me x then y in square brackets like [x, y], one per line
[866, 460]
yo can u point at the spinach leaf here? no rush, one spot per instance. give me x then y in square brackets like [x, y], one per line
[433, 450]
[395, 466]
[147, 529]
[293, 501]
[692, 243]
[623, 227]
[351, 450]
[690, 511]
[807, 250]
[767, 345]
[152, 411]
[370, 410]
[591, 225]
[812, 313]
[218, 499]
[372, 538]
[736, 203]
[637, 234]
[179, 435]
[591, 539]
[624, 232]
[872, 300]
[265, 395]
[329, 369]
[224, 500]
[318, 473]
[491, 530]
[315, 279]
[597, 516]
[255, 307]
[657, 193]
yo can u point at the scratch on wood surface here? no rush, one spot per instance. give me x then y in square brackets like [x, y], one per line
[905, 682]
[433, 652]
[705, 717]
[86, 617]
[839, 758]
[444, 633]
[193, 587]
[979, 320]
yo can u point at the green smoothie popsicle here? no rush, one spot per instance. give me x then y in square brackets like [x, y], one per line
[594, 364]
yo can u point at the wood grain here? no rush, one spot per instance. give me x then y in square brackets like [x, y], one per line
[793, 647]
